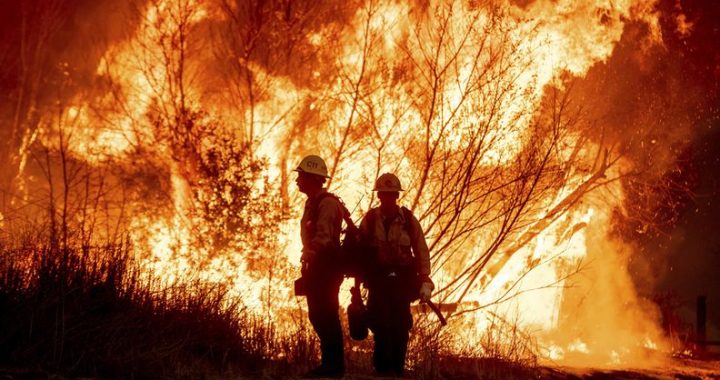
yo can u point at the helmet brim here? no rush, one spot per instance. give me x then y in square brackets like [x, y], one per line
[300, 170]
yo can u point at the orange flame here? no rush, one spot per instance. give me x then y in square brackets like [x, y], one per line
[376, 95]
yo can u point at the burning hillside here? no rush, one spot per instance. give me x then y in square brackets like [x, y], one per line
[534, 139]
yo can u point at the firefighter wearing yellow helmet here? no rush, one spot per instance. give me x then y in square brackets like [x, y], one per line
[401, 274]
[321, 275]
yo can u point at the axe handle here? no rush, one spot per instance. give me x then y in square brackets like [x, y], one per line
[437, 311]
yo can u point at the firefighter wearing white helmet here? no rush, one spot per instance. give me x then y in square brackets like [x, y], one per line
[313, 164]
[321, 275]
[401, 275]
[387, 182]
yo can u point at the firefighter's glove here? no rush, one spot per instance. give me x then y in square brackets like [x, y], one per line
[426, 289]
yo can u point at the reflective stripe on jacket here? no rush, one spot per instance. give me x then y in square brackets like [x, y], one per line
[397, 246]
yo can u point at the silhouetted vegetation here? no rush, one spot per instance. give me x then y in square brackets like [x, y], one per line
[91, 311]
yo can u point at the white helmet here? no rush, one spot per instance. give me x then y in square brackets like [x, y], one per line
[313, 164]
[388, 182]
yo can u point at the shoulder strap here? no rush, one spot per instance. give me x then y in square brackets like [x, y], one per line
[407, 214]
[315, 206]
[345, 212]
[372, 218]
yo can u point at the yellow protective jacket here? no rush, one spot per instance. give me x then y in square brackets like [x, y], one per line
[396, 246]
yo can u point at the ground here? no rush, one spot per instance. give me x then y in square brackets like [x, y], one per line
[680, 368]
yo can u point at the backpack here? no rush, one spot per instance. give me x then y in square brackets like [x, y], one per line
[349, 255]
[356, 257]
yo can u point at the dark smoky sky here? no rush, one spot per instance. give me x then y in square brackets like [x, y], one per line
[49, 52]
[689, 263]
[663, 104]
[687, 253]
[50, 37]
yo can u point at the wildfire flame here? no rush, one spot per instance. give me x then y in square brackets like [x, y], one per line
[363, 104]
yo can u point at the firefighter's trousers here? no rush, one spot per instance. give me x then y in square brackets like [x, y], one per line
[390, 321]
[323, 309]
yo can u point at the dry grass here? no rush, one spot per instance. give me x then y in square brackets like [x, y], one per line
[90, 312]
[504, 352]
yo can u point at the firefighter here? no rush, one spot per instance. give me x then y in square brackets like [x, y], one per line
[321, 274]
[401, 275]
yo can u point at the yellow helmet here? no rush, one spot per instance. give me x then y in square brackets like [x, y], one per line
[313, 164]
[388, 182]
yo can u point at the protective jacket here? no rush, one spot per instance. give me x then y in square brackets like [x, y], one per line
[321, 233]
[395, 242]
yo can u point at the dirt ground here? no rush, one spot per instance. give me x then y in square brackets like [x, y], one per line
[677, 368]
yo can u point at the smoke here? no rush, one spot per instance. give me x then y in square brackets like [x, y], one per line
[51, 51]
[59, 39]
[660, 105]
[689, 248]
